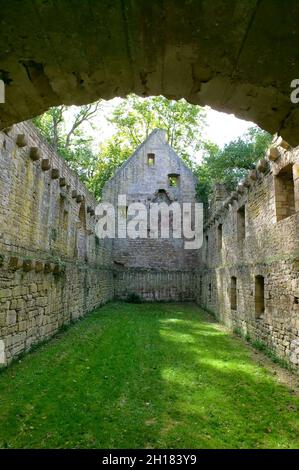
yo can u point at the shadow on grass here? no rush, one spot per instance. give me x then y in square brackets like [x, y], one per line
[157, 375]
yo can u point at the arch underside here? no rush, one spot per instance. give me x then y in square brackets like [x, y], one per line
[238, 57]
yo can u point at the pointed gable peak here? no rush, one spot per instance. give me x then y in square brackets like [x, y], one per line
[160, 133]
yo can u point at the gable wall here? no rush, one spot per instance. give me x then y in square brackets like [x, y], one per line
[140, 183]
[158, 269]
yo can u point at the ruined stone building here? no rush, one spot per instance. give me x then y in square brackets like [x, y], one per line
[250, 256]
[53, 268]
[155, 268]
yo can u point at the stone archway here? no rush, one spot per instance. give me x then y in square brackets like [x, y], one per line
[235, 56]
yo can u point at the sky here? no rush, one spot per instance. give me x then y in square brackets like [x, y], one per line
[221, 127]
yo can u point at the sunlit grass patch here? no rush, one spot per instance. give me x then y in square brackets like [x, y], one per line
[145, 375]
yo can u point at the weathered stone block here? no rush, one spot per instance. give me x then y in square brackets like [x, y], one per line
[55, 174]
[15, 263]
[45, 165]
[21, 140]
[62, 182]
[28, 265]
[39, 266]
[49, 267]
[34, 153]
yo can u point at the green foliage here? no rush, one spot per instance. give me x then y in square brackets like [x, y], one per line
[66, 133]
[112, 154]
[61, 266]
[140, 376]
[133, 119]
[230, 164]
[184, 123]
[262, 347]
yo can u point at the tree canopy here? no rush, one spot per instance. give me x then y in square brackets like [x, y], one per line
[133, 119]
[184, 123]
[230, 164]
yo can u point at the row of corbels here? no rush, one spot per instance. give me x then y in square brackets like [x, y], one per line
[35, 155]
[275, 150]
[15, 263]
[262, 166]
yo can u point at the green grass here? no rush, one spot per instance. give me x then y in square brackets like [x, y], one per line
[145, 375]
[262, 347]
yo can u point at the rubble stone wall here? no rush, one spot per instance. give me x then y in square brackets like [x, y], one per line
[53, 269]
[155, 285]
[251, 250]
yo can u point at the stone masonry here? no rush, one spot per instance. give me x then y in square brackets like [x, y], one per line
[250, 256]
[218, 53]
[154, 268]
[53, 269]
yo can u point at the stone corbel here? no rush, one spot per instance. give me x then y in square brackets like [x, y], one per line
[45, 164]
[55, 174]
[34, 154]
[21, 140]
[262, 165]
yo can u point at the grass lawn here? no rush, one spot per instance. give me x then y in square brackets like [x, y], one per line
[145, 375]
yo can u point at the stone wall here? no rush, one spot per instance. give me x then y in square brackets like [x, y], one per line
[217, 53]
[250, 256]
[153, 268]
[53, 269]
[147, 184]
[155, 285]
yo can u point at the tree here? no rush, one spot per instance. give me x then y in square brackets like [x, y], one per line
[52, 125]
[67, 136]
[230, 164]
[134, 118]
[112, 154]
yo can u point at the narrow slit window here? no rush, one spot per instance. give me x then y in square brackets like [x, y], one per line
[259, 296]
[219, 236]
[284, 193]
[241, 223]
[233, 293]
[207, 247]
[173, 180]
[150, 159]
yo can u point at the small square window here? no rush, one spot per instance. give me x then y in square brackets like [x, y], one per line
[150, 159]
[173, 180]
